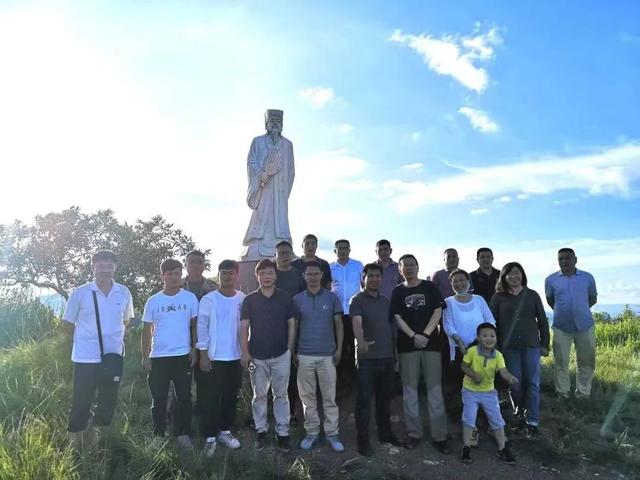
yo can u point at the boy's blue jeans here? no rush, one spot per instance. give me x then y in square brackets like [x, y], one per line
[524, 363]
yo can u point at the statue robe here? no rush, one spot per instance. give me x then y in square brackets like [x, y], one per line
[269, 222]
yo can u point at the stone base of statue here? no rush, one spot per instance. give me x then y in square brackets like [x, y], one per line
[247, 281]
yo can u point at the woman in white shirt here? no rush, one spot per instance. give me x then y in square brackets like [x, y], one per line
[461, 317]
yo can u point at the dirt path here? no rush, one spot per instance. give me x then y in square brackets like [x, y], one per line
[426, 462]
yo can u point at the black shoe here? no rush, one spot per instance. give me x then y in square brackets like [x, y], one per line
[392, 439]
[283, 443]
[443, 447]
[532, 432]
[506, 455]
[261, 441]
[364, 449]
[411, 442]
[465, 456]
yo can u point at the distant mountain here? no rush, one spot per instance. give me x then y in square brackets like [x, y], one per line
[615, 308]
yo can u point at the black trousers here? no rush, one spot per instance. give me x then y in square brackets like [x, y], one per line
[346, 368]
[374, 378]
[221, 384]
[199, 379]
[86, 383]
[163, 371]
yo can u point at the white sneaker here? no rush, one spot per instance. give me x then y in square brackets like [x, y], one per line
[184, 442]
[210, 447]
[229, 440]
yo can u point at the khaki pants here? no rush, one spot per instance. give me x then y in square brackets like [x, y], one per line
[273, 373]
[308, 367]
[411, 365]
[585, 343]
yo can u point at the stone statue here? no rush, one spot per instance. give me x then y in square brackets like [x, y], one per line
[271, 171]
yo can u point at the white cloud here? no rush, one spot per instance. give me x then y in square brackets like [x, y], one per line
[318, 97]
[505, 199]
[345, 128]
[609, 171]
[522, 196]
[479, 120]
[455, 55]
[413, 167]
[479, 211]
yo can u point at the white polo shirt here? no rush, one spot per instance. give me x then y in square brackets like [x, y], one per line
[171, 317]
[219, 324]
[115, 309]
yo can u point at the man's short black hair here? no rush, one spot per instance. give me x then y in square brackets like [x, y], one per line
[312, 263]
[195, 253]
[104, 256]
[229, 265]
[309, 236]
[383, 241]
[342, 240]
[408, 255]
[450, 249]
[170, 264]
[567, 250]
[284, 243]
[371, 266]
[266, 263]
[482, 250]
[484, 325]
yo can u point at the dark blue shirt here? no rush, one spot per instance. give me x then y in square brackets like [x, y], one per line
[268, 322]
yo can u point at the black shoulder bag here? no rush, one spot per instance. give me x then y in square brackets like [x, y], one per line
[111, 371]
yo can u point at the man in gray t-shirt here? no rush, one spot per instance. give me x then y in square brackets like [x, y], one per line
[373, 331]
[319, 314]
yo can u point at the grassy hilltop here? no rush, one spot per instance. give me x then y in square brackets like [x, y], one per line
[35, 391]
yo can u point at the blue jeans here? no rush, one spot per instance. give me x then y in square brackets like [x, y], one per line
[524, 363]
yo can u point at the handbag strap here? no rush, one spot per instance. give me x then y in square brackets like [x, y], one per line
[95, 307]
[516, 316]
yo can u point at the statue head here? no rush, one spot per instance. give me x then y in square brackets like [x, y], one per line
[273, 121]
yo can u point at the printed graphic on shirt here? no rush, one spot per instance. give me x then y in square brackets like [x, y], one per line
[171, 307]
[415, 301]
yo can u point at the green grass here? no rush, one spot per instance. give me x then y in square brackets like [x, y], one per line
[35, 391]
[605, 429]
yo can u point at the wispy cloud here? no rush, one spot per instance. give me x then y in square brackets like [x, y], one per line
[479, 120]
[318, 97]
[413, 167]
[479, 211]
[609, 171]
[455, 55]
[345, 128]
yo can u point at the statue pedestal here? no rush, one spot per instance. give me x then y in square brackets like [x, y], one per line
[247, 281]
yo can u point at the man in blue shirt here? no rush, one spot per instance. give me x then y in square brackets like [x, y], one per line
[571, 293]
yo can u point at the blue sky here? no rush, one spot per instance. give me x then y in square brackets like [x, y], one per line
[433, 124]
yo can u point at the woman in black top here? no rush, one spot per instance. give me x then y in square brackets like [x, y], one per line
[523, 336]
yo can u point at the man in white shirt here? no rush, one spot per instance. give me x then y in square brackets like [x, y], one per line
[115, 307]
[346, 274]
[219, 345]
[168, 350]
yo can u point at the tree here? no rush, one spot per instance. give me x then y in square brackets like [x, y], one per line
[55, 252]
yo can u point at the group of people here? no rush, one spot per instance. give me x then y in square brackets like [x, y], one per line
[312, 327]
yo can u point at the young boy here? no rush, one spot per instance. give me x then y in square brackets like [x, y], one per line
[479, 365]
[168, 350]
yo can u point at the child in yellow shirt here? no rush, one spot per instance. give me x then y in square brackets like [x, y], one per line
[480, 364]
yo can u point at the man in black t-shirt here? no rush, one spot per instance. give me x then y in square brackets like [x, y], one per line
[417, 306]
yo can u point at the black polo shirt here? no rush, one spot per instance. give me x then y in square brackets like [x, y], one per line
[377, 323]
[483, 284]
[268, 322]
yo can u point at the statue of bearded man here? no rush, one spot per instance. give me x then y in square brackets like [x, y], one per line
[271, 171]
